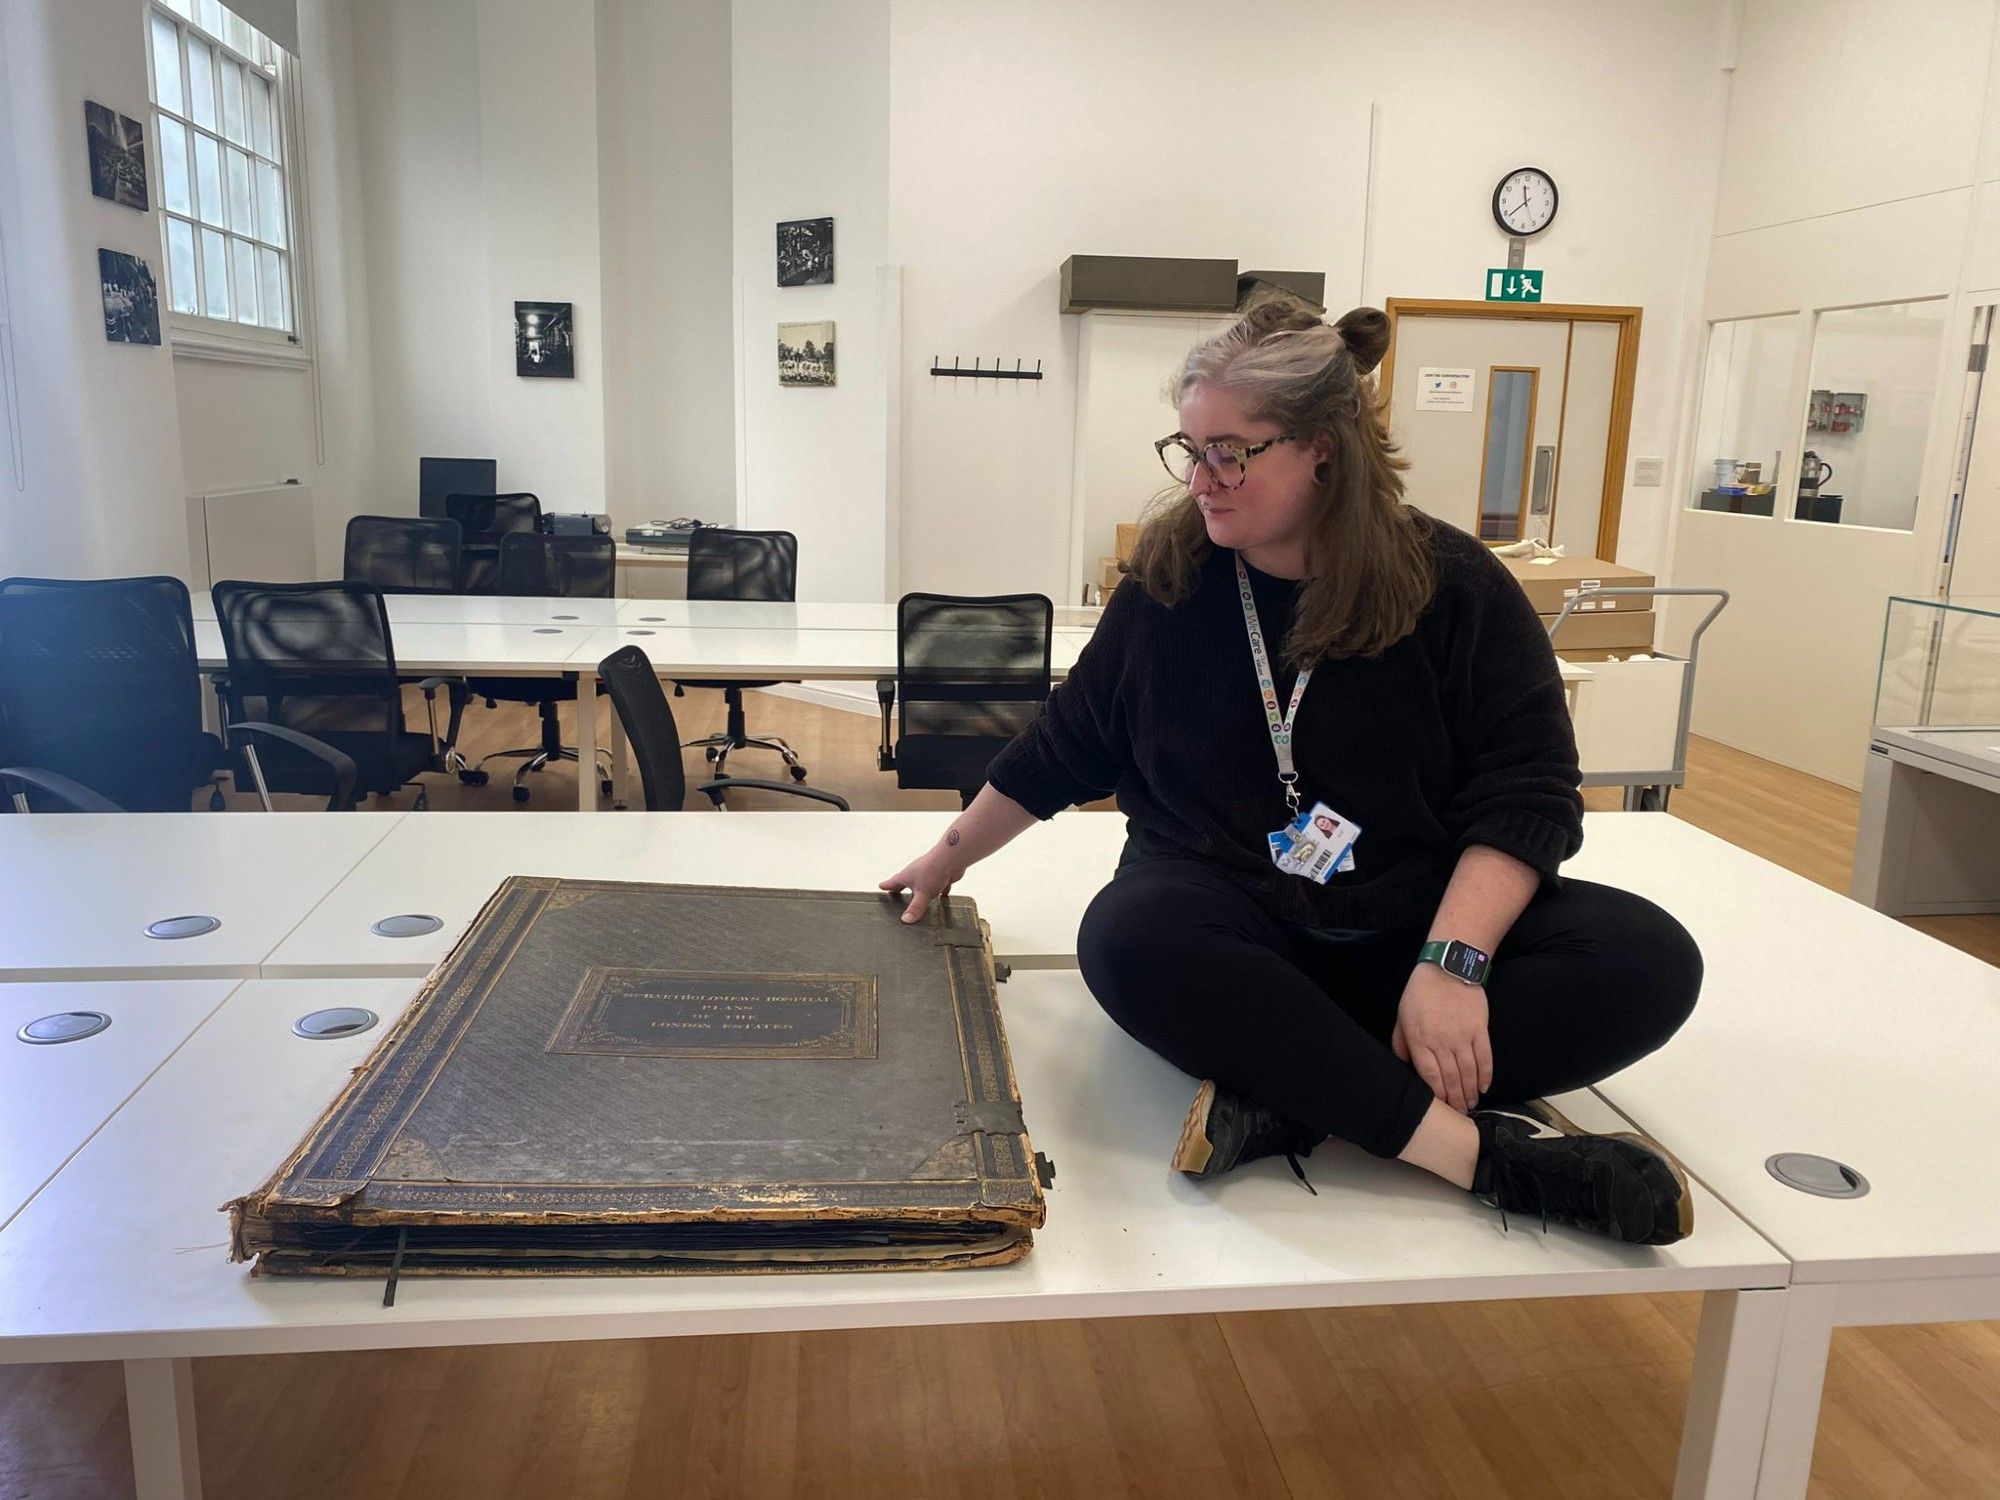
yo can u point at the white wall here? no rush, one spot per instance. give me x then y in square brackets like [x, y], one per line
[663, 80]
[479, 159]
[1851, 157]
[1027, 132]
[810, 119]
[97, 446]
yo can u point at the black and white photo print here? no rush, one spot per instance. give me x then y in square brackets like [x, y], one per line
[805, 252]
[544, 340]
[805, 354]
[131, 302]
[117, 156]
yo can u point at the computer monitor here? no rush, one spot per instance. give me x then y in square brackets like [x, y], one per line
[438, 477]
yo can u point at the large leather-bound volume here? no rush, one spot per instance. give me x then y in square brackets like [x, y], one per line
[615, 1077]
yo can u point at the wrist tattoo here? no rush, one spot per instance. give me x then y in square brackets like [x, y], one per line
[951, 838]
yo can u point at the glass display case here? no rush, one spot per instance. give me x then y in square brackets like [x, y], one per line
[1937, 689]
[1928, 839]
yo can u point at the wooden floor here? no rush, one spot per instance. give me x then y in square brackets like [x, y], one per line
[1572, 1398]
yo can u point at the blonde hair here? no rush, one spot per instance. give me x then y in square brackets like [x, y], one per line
[1366, 555]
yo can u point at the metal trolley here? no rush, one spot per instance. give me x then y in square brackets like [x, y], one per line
[1637, 691]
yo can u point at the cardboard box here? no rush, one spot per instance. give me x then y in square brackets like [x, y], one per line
[1621, 631]
[1128, 538]
[1109, 573]
[1551, 581]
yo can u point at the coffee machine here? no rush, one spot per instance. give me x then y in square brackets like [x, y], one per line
[1814, 504]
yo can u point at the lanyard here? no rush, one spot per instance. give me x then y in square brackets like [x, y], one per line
[1281, 729]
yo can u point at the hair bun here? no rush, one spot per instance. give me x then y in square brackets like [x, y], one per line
[1365, 331]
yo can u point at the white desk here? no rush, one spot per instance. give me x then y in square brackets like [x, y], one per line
[1827, 1028]
[652, 570]
[478, 635]
[53, 1098]
[123, 1255]
[693, 654]
[78, 892]
[447, 864]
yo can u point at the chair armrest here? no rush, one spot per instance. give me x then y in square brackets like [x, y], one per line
[338, 761]
[79, 797]
[713, 790]
[885, 694]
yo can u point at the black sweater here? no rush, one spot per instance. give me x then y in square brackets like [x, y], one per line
[1456, 735]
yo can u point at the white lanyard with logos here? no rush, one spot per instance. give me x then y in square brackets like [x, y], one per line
[1316, 844]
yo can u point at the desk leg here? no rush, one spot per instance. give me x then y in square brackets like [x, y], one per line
[621, 763]
[1736, 1358]
[159, 1403]
[1793, 1427]
[586, 742]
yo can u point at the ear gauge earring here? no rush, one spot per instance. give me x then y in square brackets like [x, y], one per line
[1322, 473]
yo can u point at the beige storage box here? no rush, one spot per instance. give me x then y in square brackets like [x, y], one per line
[1550, 583]
[1621, 631]
[1128, 538]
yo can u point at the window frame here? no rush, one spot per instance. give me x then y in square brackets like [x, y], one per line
[198, 334]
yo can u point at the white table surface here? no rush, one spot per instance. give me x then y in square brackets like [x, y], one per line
[455, 648]
[1822, 1027]
[53, 1098]
[78, 891]
[124, 1254]
[447, 864]
[761, 652]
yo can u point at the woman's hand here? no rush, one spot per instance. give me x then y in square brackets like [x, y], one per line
[927, 878]
[1441, 1032]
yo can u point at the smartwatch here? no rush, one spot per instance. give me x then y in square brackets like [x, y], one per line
[1461, 961]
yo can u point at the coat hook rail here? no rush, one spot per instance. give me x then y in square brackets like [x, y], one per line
[979, 372]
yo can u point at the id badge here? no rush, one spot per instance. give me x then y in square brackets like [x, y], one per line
[1320, 842]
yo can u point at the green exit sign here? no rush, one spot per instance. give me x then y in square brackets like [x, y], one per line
[1514, 286]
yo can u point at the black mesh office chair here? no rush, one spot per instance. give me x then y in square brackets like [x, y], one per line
[534, 565]
[485, 519]
[404, 554]
[318, 658]
[648, 720]
[100, 702]
[971, 673]
[756, 565]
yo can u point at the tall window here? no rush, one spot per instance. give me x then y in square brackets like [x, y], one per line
[219, 117]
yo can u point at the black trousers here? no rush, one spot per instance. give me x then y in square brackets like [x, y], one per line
[1588, 980]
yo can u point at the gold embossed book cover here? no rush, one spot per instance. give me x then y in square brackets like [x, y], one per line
[606, 1076]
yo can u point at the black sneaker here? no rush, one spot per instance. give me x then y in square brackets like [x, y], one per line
[1624, 1186]
[1224, 1131]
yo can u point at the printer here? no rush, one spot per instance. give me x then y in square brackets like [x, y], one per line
[672, 535]
[576, 525]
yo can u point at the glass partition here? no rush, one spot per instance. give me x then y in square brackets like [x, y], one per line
[1746, 416]
[1939, 679]
[1874, 382]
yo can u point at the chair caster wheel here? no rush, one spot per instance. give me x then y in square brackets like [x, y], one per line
[604, 786]
[798, 773]
[520, 794]
[474, 777]
[710, 752]
[215, 801]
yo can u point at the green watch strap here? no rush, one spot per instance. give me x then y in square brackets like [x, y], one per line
[1432, 953]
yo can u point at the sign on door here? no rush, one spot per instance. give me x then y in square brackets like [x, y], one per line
[1444, 390]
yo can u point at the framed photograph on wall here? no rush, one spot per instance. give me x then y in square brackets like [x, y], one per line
[805, 252]
[117, 156]
[131, 301]
[545, 340]
[805, 354]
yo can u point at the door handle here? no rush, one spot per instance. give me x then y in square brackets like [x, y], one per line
[1545, 468]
